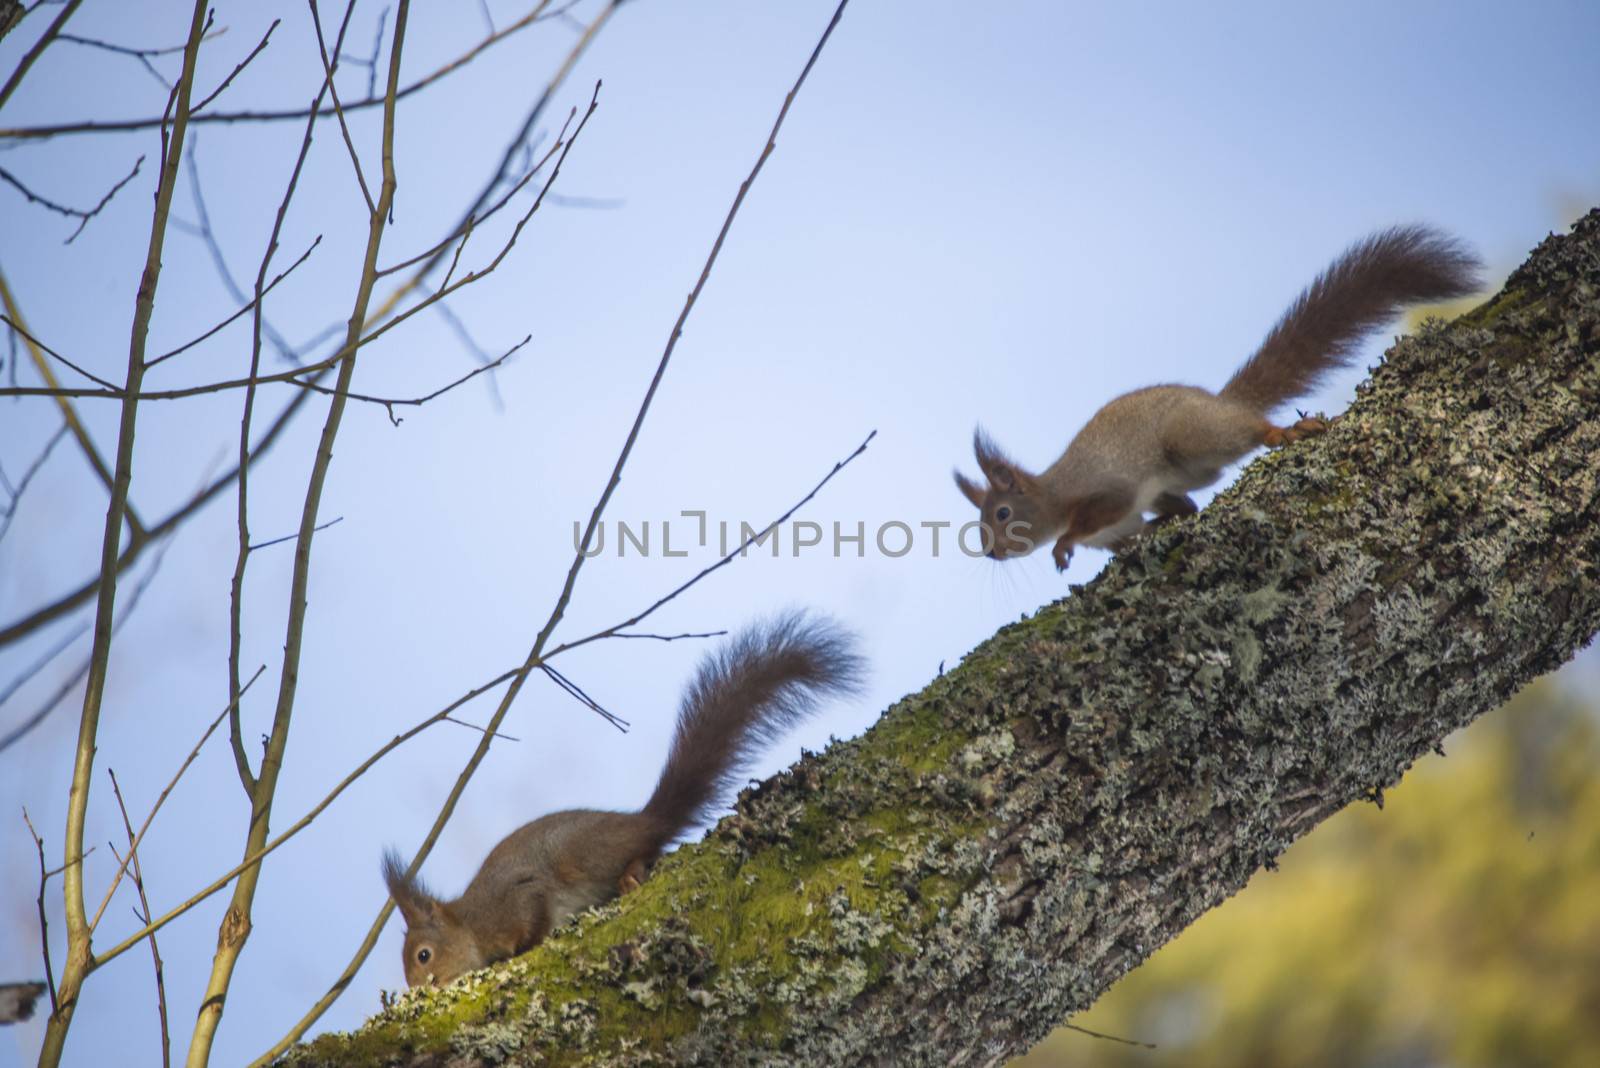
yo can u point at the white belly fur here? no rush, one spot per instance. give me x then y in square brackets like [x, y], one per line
[1133, 522]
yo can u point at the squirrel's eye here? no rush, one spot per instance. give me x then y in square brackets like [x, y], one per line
[424, 955]
[1002, 513]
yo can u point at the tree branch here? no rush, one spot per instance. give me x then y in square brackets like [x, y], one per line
[1004, 845]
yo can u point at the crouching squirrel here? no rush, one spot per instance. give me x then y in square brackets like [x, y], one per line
[743, 696]
[1147, 450]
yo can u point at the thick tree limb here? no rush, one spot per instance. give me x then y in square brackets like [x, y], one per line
[1004, 845]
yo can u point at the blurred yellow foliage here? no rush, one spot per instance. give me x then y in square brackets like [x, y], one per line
[1458, 926]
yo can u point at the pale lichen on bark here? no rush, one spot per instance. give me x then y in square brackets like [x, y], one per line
[1005, 844]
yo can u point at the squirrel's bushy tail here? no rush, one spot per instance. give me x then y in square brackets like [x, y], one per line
[763, 680]
[1360, 291]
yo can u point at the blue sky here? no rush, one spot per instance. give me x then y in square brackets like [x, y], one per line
[1001, 215]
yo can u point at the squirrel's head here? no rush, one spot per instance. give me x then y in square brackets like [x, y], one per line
[1011, 508]
[438, 947]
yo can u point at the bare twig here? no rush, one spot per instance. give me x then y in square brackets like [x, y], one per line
[583, 698]
[475, 727]
[1109, 1038]
[673, 637]
[44, 926]
[328, 67]
[172, 783]
[477, 351]
[37, 666]
[26, 336]
[335, 521]
[259, 327]
[389, 403]
[355, 341]
[208, 236]
[69, 684]
[246, 307]
[462, 231]
[242, 64]
[15, 492]
[82, 216]
[68, 412]
[254, 858]
[371, 101]
[370, 62]
[76, 967]
[143, 914]
[49, 613]
[33, 54]
[143, 55]
[615, 630]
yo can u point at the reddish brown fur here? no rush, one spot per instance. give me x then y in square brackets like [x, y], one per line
[1146, 450]
[1362, 289]
[762, 681]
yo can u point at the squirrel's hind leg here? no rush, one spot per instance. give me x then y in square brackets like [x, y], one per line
[635, 873]
[1172, 506]
[1308, 426]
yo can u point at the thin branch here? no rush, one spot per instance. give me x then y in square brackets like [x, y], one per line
[54, 610]
[461, 61]
[33, 54]
[672, 637]
[614, 631]
[48, 613]
[171, 785]
[462, 231]
[38, 665]
[248, 306]
[243, 63]
[352, 344]
[583, 698]
[44, 926]
[336, 520]
[328, 67]
[259, 326]
[61, 693]
[15, 492]
[26, 336]
[513, 148]
[477, 351]
[389, 403]
[69, 413]
[475, 727]
[208, 235]
[302, 823]
[143, 915]
[143, 55]
[370, 62]
[82, 216]
[1109, 1038]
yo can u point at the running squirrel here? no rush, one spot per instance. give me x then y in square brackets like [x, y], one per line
[744, 695]
[1145, 451]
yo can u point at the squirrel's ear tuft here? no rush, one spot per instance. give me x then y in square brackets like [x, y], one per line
[1003, 475]
[410, 897]
[970, 489]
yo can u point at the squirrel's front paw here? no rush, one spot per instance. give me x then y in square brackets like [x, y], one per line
[1062, 553]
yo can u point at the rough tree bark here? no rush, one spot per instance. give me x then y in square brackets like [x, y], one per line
[1001, 847]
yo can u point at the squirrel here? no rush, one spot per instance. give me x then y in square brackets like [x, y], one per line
[1147, 450]
[743, 696]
